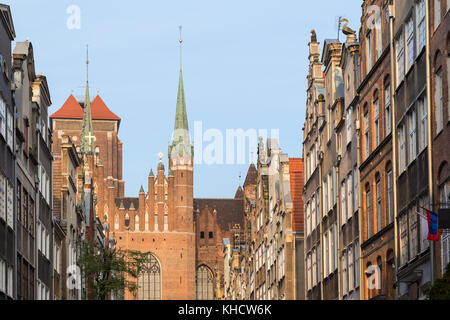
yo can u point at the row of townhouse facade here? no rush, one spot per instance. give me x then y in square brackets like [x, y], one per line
[44, 193]
[376, 116]
[269, 263]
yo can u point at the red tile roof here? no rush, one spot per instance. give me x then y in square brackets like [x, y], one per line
[296, 179]
[72, 109]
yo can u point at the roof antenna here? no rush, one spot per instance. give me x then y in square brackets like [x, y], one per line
[339, 27]
[87, 63]
[180, 40]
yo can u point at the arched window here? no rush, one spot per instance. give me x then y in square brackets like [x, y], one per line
[390, 194]
[136, 223]
[204, 279]
[146, 221]
[149, 280]
[368, 213]
[378, 201]
[127, 220]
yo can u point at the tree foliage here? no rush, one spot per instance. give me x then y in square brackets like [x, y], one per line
[440, 290]
[109, 271]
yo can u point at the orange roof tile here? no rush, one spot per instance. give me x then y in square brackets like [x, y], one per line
[72, 109]
[101, 112]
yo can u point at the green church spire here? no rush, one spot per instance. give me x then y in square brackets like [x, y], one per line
[181, 144]
[181, 114]
[87, 129]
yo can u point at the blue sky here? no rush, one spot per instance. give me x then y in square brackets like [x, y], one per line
[244, 66]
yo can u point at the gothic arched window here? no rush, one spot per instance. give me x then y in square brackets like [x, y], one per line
[149, 280]
[204, 279]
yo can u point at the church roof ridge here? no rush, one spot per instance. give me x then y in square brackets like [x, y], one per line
[72, 109]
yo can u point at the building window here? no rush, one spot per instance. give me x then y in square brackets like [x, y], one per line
[437, 13]
[348, 123]
[387, 110]
[368, 213]
[2, 117]
[10, 205]
[369, 51]
[205, 283]
[202, 235]
[423, 123]
[357, 262]
[166, 222]
[155, 221]
[10, 129]
[400, 58]
[413, 233]
[439, 102]
[313, 213]
[366, 132]
[314, 267]
[421, 26]
[2, 276]
[424, 242]
[409, 43]
[376, 111]
[412, 137]
[402, 146]
[351, 269]
[149, 280]
[403, 225]
[334, 186]
[378, 197]
[349, 196]
[343, 204]
[10, 282]
[390, 196]
[127, 220]
[308, 272]
[2, 197]
[379, 38]
[136, 223]
[344, 273]
[308, 219]
[211, 235]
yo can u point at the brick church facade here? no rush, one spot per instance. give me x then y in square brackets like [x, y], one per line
[182, 235]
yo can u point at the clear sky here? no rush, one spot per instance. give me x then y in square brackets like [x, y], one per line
[244, 66]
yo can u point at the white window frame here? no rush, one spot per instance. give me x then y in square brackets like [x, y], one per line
[387, 110]
[3, 118]
[409, 43]
[376, 111]
[402, 148]
[400, 57]
[412, 136]
[420, 25]
[437, 13]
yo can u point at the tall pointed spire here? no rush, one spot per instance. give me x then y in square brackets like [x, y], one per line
[181, 150]
[181, 114]
[87, 129]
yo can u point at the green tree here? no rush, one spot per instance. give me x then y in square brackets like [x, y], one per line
[109, 271]
[440, 290]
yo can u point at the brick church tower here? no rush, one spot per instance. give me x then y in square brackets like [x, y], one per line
[182, 235]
